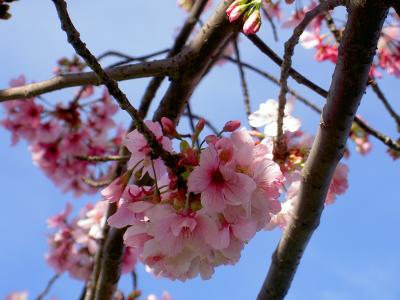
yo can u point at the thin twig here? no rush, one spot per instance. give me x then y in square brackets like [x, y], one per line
[243, 82]
[208, 123]
[277, 60]
[48, 287]
[274, 80]
[381, 96]
[128, 58]
[96, 183]
[108, 158]
[271, 23]
[134, 280]
[280, 149]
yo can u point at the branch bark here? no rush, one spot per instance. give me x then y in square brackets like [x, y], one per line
[348, 85]
[163, 67]
[196, 58]
[179, 43]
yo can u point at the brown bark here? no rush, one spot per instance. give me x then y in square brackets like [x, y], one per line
[348, 85]
[196, 58]
[162, 67]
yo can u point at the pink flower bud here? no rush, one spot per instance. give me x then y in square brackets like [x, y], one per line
[168, 126]
[235, 10]
[232, 7]
[253, 23]
[231, 126]
[200, 125]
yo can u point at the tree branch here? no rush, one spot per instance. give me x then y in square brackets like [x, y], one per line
[128, 58]
[280, 144]
[91, 158]
[179, 43]
[274, 80]
[348, 85]
[271, 22]
[196, 59]
[245, 90]
[164, 67]
[277, 60]
[381, 96]
[48, 287]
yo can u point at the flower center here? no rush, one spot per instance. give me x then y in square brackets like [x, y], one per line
[217, 177]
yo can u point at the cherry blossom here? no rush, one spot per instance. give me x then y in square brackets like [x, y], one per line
[267, 116]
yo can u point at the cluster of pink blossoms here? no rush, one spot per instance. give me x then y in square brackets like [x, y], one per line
[326, 46]
[231, 191]
[74, 244]
[57, 134]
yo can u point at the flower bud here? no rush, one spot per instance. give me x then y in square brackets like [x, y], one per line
[253, 22]
[231, 126]
[235, 10]
[200, 125]
[168, 126]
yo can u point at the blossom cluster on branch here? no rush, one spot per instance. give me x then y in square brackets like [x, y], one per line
[57, 134]
[232, 190]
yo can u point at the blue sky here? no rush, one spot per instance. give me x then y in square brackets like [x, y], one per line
[354, 254]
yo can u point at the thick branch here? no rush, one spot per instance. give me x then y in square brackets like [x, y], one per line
[164, 67]
[179, 43]
[348, 85]
[196, 58]
[372, 82]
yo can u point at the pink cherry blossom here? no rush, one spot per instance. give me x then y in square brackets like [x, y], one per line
[141, 152]
[219, 185]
